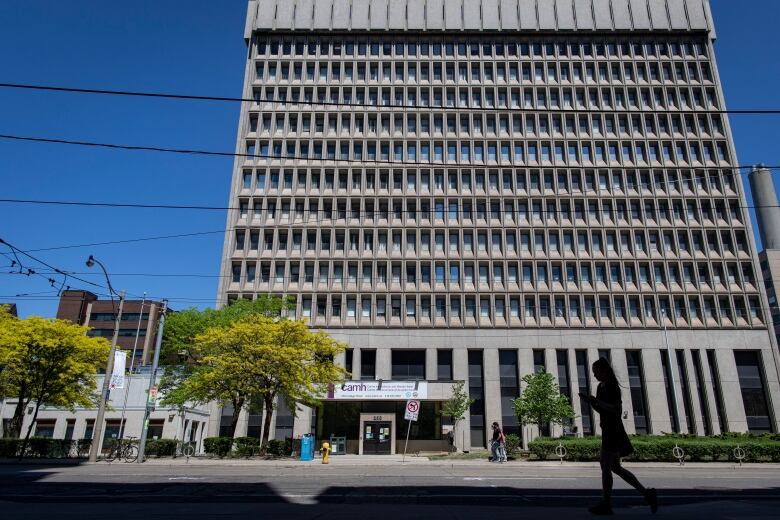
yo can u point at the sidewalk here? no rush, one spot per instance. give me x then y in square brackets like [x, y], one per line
[396, 460]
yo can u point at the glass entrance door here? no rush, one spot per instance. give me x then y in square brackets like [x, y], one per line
[376, 438]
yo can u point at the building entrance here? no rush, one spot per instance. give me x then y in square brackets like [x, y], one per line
[377, 438]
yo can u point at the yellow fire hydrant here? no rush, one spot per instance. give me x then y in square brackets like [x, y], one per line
[325, 452]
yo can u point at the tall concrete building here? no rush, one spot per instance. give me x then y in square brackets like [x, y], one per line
[473, 190]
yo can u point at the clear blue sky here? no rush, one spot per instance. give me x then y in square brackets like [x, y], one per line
[197, 47]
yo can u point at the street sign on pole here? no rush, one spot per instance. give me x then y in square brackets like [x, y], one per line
[412, 413]
[412, 410]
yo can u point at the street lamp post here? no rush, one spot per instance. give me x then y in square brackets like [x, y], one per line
[97, 434]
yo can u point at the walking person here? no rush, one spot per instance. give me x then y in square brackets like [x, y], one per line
[614, 440]
[498, 444]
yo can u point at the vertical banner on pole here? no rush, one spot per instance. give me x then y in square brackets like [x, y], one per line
[411, 414]
[118, 373]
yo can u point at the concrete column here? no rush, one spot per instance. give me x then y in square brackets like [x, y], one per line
[551, 365]
[655, 389]
[356, 364]
[709, 392]
[215, 416]
[492, 382]
[593, 355]
[460, 370]
[431, 367]
[384, 364]
[340, 360]
[525, 361]
[87, 315]
[243, 423]
[148, 348]
[302, 421]
[772, 386]
[732, 393]
[621, 371]
[767, 210]
[575, 388]
[698, 416]
[674, 368]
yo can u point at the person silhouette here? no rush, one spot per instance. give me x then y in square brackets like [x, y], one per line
[614, 440]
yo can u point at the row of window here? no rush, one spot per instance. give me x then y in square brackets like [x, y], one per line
[468, 47]
[516, 180]
[539, 98]
[451, 211]
[500, 275]
[467, 152]
[271, 70]
[454, 310]
[457, 243]
[466, 124]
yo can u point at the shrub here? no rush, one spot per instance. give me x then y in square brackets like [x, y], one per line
[513, 444]
[659, 448]
[246, 446]
[161, 447]
[9, 447]
[278, 448]
[219, 446]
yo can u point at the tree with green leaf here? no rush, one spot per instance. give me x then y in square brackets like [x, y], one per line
[259, 358]
[457, 405]
[48, 362]
[541, 402]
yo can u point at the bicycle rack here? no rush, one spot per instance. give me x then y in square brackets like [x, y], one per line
[679, 454]
[739, 454]
[561, 451]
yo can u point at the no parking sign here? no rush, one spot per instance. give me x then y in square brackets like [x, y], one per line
[412, 410]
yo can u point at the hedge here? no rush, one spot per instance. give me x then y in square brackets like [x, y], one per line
[44, 448]
[721, 448]
[161, 447]
[248, 447]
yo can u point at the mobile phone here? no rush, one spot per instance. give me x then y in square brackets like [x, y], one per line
[583, 395]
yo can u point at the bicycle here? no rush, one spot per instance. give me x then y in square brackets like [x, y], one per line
[123, 449]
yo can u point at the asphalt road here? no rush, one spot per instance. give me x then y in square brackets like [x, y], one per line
[299, 491]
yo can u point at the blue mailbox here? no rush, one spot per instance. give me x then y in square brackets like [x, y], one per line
[307, 447]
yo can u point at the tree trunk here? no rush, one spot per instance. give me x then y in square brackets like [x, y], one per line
[15, 425]
[268, 403]
[237, 406]
[29, 430]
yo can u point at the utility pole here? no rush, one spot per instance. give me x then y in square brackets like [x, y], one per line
[152, 381]
[675, 411]
[97, 435]
[132, 366]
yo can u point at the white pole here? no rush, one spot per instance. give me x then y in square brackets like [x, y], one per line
[132, 363]
[152, 381]
[409, 429]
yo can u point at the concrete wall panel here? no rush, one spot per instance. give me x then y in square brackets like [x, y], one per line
[564, 10]
[415, 11]
[360, 14]
[621, 14]
[322, 14]
[696, 14]
[472, 17]
[284, 14]
[528, 14]
[378, 14]
[602, 14]
[639, 14]
[265, 13]
[658, 15]
[453, 15]
[397, 14]
[304, 13]
[434, 14]
[341, 14]
[509, 19]
[546, 13]
[584, 14]
[677, 14]
[490, 17]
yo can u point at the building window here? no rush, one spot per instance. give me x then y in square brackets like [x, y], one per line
[477, 393]
[367, 365]
[408, 365]
[637, 386]
[444, 365]
[719, 408]
[682, 372]
[670, 399]
[583, 385]
[510, 390]
[751, 382]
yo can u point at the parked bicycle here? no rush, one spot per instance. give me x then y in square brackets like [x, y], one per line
[123, 449]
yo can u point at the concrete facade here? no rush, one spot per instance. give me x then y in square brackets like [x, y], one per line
[165, 422]
[509, 180]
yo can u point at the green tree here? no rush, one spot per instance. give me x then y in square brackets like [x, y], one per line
[48, 362]
[456, 406]
[259, 358]
[182, 327]
[541, 402]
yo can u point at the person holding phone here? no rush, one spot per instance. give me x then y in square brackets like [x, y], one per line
[614, 440]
